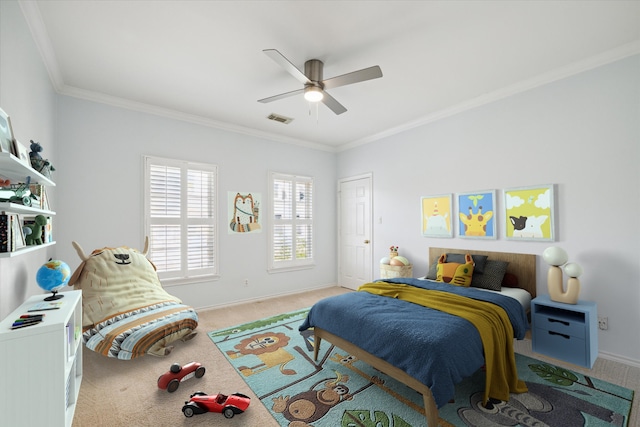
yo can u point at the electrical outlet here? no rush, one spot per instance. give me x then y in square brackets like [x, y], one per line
[246, 282]
[603, 323]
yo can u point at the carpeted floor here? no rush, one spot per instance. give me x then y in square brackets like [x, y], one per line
[275, 360]
[118, 393]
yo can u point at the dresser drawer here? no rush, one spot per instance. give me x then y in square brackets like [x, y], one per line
[561, 346]
[574, 327]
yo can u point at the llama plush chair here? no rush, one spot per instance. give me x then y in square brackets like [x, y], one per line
[126, 313]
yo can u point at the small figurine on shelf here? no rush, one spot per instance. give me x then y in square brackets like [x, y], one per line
[35, 237]
[37, 162]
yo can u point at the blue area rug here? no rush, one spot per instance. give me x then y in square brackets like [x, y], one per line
[276, 361]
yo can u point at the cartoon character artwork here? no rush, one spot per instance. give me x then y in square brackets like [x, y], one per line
[309, 406]
[436, 221]
[528, 227]
[529, 213]
[269, 348]
[244, 213]
[541, 405]
[476, 215]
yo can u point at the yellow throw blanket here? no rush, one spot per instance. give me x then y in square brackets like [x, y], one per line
[492, 323]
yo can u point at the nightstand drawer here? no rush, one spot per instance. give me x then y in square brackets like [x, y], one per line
[561, 346]
[574, 327]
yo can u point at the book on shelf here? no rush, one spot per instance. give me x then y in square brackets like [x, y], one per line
[39, 196]
[5, 233]
[46, 305]
[17, 235]
[11, 235]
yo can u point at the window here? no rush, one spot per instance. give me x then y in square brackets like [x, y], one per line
[179, 213]
[292, 222]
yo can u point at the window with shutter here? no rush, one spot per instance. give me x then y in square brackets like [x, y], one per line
[180, 206]
[291, 231]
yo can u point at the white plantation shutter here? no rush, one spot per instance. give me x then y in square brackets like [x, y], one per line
[180, 201]
[292, 221]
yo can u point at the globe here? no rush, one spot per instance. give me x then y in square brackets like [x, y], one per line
[53, 276]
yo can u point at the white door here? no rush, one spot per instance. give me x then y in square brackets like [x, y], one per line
[355, 247]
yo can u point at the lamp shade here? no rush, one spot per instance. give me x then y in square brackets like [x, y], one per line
[313, 94]
[555, 256]
[573, 270]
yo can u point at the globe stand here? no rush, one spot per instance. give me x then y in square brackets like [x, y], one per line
[54, 297]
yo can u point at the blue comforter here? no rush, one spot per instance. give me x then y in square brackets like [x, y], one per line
[436, 348]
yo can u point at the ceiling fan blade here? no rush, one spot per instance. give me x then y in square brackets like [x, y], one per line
[284, 63]
[281, 96]
[331, 102]
[353, 77]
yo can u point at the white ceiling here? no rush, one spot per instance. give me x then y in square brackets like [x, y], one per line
[202, 61]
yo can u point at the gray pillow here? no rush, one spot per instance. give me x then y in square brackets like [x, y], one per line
[492, 277]
[432, 274]
[478, 261]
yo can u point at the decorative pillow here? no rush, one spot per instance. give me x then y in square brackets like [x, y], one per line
[491, 279]
[510, 280]
[478, 261]
[455, 273]
[432, 273]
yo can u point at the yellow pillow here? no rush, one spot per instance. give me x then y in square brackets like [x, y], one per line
[453, 272]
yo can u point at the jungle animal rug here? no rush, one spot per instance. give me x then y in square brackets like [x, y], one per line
[276, 361]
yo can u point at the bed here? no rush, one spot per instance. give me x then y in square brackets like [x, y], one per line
[437, 349]
[126, 313]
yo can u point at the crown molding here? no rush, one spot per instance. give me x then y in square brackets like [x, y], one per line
[575, 68]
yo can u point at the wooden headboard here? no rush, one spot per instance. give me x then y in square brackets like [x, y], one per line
[521, 265]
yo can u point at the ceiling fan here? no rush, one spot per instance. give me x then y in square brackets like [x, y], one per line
[314, 85]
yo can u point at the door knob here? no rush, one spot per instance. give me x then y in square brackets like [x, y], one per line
[366, 242]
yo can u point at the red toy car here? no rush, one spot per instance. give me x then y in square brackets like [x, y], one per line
[200, 402]
[171, 380]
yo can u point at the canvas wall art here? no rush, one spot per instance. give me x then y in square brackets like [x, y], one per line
[529, 213]
[244, 212]
[477, 215]
[437, 216]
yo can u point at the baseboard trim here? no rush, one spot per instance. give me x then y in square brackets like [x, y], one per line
[264, 297]
[620, 359]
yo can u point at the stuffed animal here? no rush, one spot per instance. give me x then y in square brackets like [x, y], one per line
[36, 148]
[35, 237]
[37, 162]
[455, 273]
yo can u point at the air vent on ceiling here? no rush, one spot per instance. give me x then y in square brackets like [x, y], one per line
[279, 118]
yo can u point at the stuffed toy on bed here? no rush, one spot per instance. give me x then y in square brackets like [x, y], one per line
[126, 313]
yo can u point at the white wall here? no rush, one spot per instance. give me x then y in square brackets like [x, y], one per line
[581, 133]
[26, 94]
[100, 177]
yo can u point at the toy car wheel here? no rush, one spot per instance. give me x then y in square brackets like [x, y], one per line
[175, 368]
[200, 372]
[228, 413]
[199, 393]
[173, 385]
[188, 411]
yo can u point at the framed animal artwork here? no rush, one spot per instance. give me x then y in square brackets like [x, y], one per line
[244, 212]
[437, 214]
[477, 215]
[6, 133]
[529, 213]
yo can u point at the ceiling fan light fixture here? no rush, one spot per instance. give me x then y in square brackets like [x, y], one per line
[313, 94]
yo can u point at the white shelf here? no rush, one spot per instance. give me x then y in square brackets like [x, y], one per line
[25, 249]
[45, 359]
[11, 167]
[16, 208]
[16, 171]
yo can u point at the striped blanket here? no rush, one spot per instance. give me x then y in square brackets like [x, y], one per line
[145, 330]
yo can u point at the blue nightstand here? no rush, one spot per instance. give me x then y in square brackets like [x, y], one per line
[567, 332]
